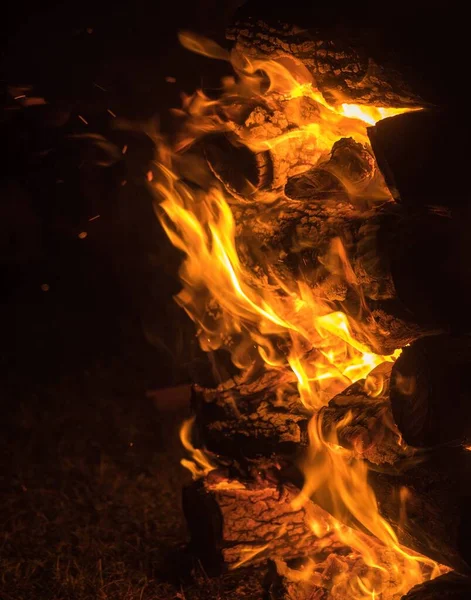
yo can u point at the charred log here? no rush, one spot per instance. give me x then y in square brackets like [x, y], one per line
[433, 488]
[240, 169]
[450, 586]
[254, 419]
[348, 174]
[363, 423]
[430, 391]
[316, 185]
[416, 153]
[234, 523]
[341, 68]
[292, 240]
[266, 147]
[244, 420]
[435, 498]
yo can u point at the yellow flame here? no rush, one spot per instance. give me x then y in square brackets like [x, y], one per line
[248, 554]
[281, 325]
[200, 465]
[370, 114]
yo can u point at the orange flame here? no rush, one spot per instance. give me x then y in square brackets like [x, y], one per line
[236, 312]
[200, 465]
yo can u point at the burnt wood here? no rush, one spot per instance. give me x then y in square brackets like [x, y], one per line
[242, 424]
[432, 273]
[244, 420]
[430, 391]
[417, 152]
[337, 61]
[436, 493]
[265, 145]
[241, 170]
[450, 586]
[236, 523]
[428, 48]
[292, 240]
[349, 173]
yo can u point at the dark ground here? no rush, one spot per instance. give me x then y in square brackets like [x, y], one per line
[90, 481]
[90, 478]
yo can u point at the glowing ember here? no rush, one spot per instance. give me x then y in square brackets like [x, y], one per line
[282, 325]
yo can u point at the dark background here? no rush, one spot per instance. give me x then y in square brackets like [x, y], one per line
[119, 280]
[89, 477]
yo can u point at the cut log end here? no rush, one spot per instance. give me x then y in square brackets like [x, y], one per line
[425, 378]
[240, 169]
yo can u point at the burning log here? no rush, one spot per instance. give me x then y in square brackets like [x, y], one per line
[340, 67]
[285, 583]
[234, 523]
[415, 153]
[430, 395]
[245, 419]
[296, 242]
[435, 501]
[312, 280]
[450, 586]
[265, 417]
[272, 143]
[348, 174]
[445, 276]
[231, 422]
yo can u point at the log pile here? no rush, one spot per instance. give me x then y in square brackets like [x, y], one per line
[395, 248]
[245, 423]
[236, 522]
[254, 425]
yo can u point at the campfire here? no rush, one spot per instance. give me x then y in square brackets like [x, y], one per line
[311, 457]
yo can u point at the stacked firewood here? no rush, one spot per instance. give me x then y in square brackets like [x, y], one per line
[257, 440]
[406, 254]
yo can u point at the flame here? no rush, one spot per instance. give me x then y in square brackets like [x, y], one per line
[200, 465]
[339, 483]
[371, 114]
[281, 325]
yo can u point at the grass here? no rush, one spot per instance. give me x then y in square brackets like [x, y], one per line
[90, 499]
